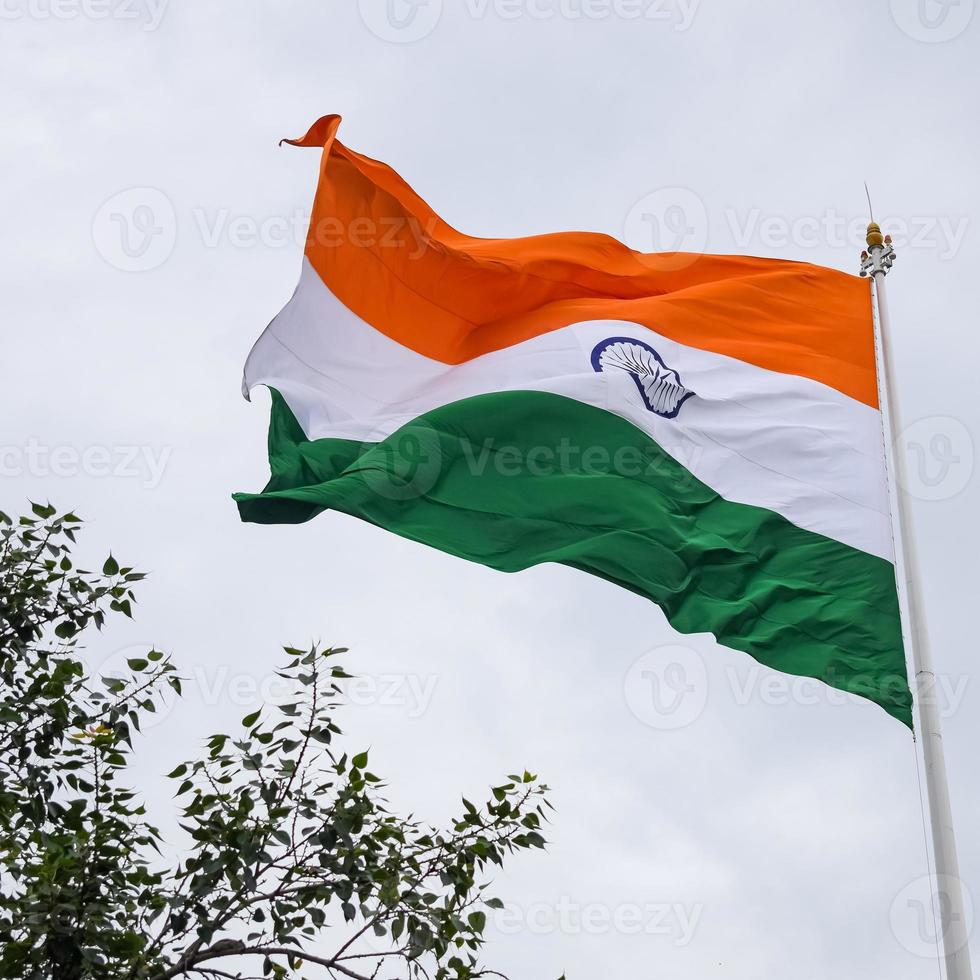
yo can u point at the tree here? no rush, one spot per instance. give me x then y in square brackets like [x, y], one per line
[294, 866]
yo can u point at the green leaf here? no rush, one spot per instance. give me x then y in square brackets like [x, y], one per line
[360, 760]
[123, 606]
[111, 566]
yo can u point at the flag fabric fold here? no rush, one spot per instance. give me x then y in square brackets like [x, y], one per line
[703, 430]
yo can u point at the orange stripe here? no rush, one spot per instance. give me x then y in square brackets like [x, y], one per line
[393, 261]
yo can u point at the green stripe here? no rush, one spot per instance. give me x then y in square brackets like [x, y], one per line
[513, 479]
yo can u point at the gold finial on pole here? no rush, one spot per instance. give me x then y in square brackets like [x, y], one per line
[879, 256]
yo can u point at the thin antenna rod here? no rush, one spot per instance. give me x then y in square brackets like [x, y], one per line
[871, 210]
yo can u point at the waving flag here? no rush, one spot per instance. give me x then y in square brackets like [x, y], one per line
[702, 430]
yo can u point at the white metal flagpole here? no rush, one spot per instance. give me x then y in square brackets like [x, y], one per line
[948, 888]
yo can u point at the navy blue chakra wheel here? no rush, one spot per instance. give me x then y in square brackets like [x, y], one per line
[660, 387]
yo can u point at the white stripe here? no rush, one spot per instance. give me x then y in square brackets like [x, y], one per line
[786, 443]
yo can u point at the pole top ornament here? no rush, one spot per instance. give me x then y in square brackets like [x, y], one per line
[880, 254]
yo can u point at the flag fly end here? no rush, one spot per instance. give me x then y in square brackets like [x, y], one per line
[320, 134]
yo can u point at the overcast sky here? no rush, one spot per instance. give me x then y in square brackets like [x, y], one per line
[151, 227]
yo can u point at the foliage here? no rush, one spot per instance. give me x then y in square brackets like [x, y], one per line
[293, 864]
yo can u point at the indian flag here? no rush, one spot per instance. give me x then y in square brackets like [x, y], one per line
[702, 430]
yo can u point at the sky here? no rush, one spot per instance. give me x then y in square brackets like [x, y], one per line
[750, 826]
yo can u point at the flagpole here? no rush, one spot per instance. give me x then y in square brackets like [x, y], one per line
[948, 890]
